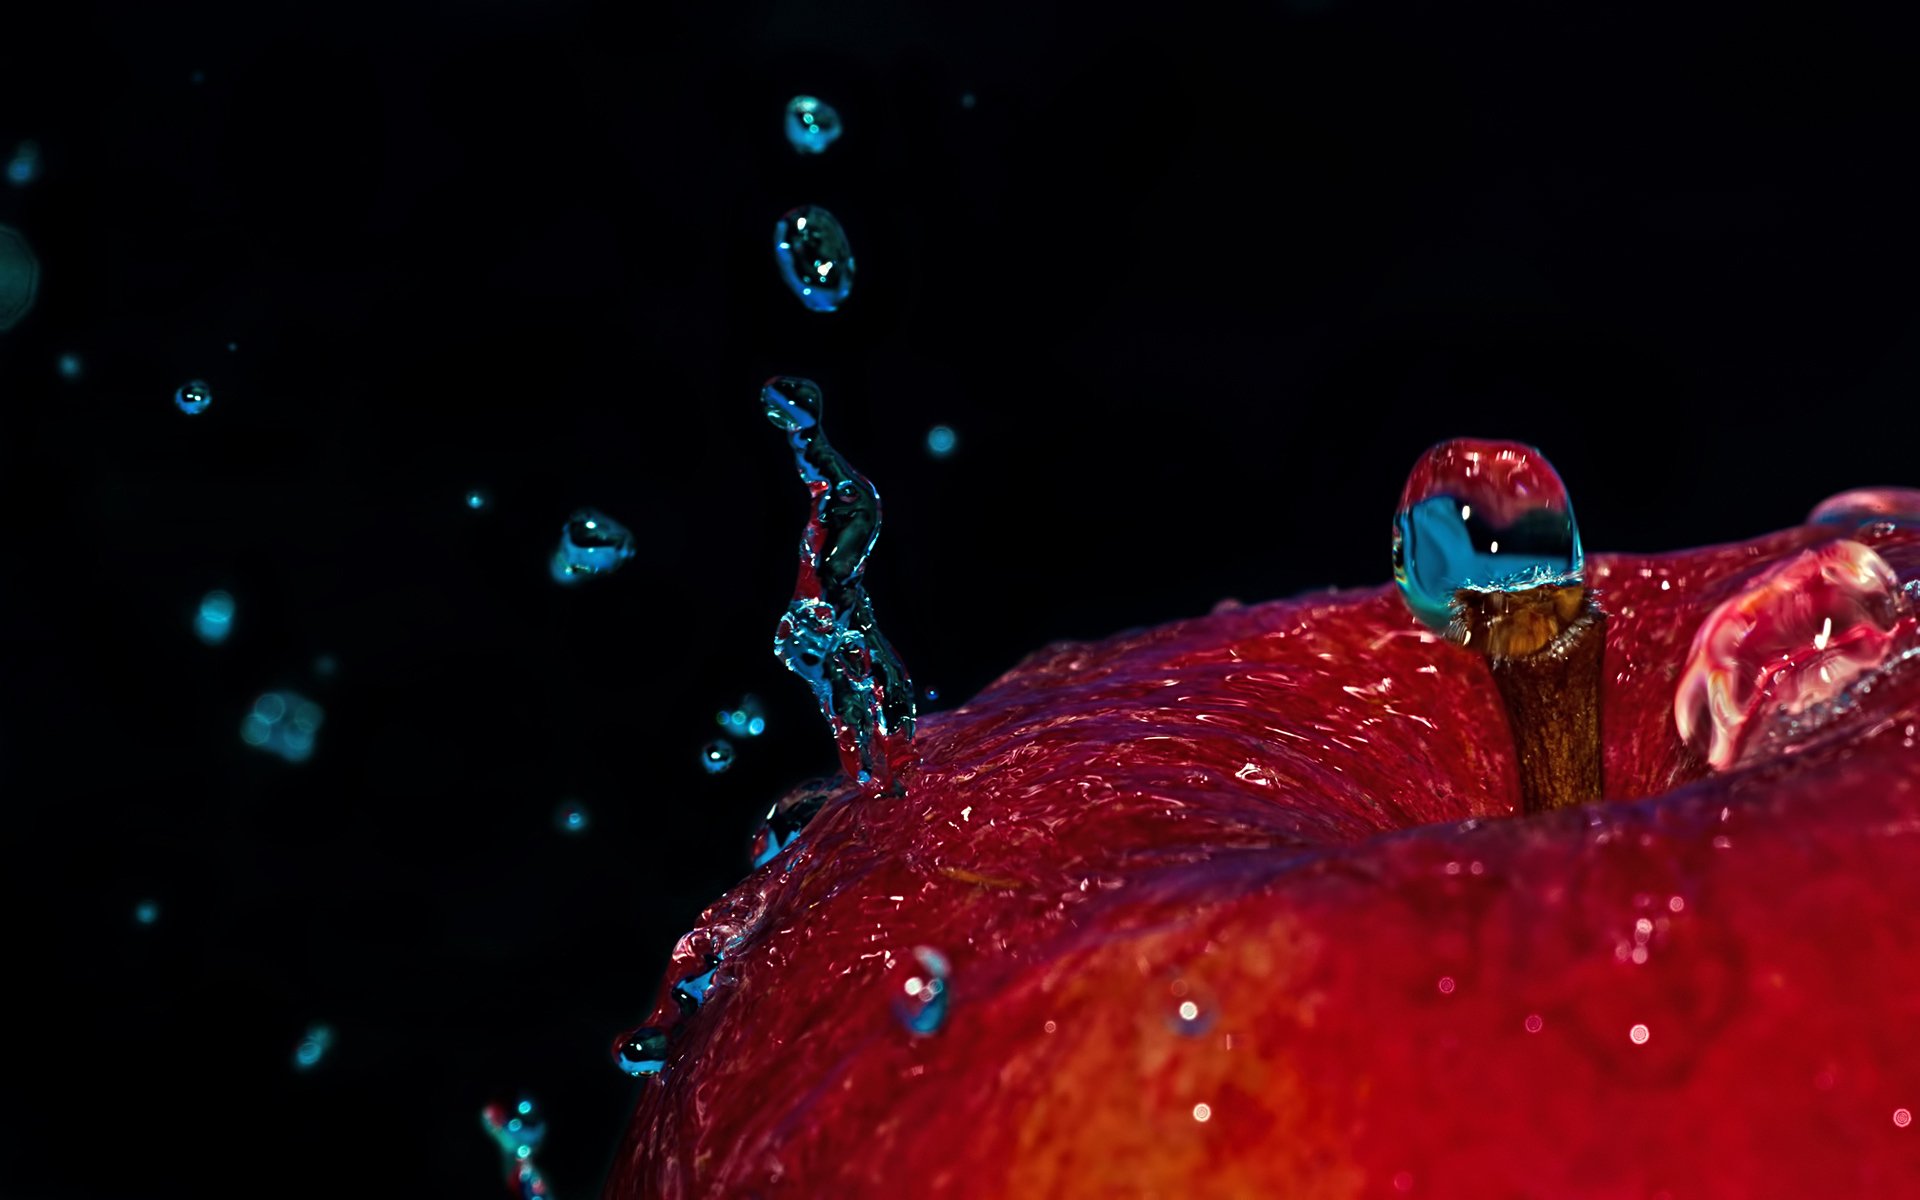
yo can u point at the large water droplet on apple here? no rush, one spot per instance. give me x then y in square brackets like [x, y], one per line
[814, 257]
[829, 636]
[1866, 506]
[641, 1051]
[923, 996]
[1481, 516]
[1777, 657]
[785, 820]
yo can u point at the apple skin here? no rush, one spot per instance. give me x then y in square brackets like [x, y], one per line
[1294, 812]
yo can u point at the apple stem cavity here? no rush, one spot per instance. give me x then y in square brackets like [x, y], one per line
[1543, 646]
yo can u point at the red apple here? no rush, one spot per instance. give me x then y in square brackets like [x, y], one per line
[1240, 906]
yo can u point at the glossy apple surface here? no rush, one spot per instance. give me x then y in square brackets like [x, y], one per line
[1237, 906]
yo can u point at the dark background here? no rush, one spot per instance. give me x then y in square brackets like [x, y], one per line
[1193, 290]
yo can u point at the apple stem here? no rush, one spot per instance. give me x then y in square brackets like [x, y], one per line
[1544, 647]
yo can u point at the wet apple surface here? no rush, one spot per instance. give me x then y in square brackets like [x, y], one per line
[1241, 905]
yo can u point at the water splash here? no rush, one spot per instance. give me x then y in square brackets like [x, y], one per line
[518, 1130]
[571, 817]
[283, 723]
[641, 1051]
[193, 397]
[24, 167]
[313, 1047]
[812, 124]
[1481, 516]
[814, 257]
[716, 756]
[19, 277]
[746, 718]
[214, 621]
[829, 636]
[783, 825]
[591, 543]
[1787, 646]
[923, 999]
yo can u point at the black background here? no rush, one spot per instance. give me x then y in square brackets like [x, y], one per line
[1194, 290]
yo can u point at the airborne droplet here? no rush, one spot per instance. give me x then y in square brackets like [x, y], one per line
[1481, 516]
[283, 723]
[716, 756]
[571, 817]
[24, 167]
[19, 277]
[745, 719]
[214, 621]
[814, 257]
[193, 397]
[313, 1047]
[812, 124]
[591, 543]
[923, 997]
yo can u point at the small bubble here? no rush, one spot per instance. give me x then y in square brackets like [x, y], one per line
[1446, 985]
[1534, 1023]
[1203, 1113]
[716, 756]
[313, 1047]
[24, 167]
[476, 500]
[641, 1051]
[812, 124]
[571, 817]
[941, 440]
[1902, 1118]
[146, 912]
[923, 997]
[325, 666]
[69, 366]
[1639, 1035]
[214, 621]
[591, 543]
[193, 397]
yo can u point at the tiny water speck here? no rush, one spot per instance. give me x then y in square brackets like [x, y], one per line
[716, 756]
[313, 1047]
[476, 500]
[214, 621]
[69, 366]
[591, 543]
[812, 124]
[941, 441]
[146, 912]
[571, 817]
[24, 167]
[193, 397]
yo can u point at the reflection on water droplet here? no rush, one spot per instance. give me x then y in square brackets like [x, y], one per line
[1778, 657]
[19, 277]
[814, 257]
[716, 756]
[214, 621]
[941, 440]
[24, 167]
[313, 1047]
[641, 1051]
[193, 397]
[146, 912]
[812, 124]
[283, 723]
[785, 820]
[1481, 516]
[923, 994]
[591, 543]
[745, 719]
[571, 817]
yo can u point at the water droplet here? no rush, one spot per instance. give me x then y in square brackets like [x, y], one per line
[214, 621]
[571, 817]
[325, 665]
[518, 1129]
[313, 1047]
[193, 397]
[146, 912]
[641, 1051]
[1639, 1035]
[19, 277]
[784, 823]
[24, 167]
[923, 996]
[716, 756]
[941, 440]
[1481, 516]
[1902, 1118]
[283, 723]
[829, 636]
[1203, 1112]
[745, 719]
[690, 993]
[591, 543]
[1191, 1009]
[967, 100]
[812, 124]
[1867, 506]
[814, 257]
[1780, 654]
[476, 500]
[69, 366]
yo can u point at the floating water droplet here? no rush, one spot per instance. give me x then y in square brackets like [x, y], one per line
[967, 100]
[69, 366]
[784, 823]
[924, 995]
[19, 277]
[193, 397]
[571, 817]
[476, 500]
[1481, 516]
[214, 621]
[24, 167]
[829, 636]
[591, 543]
[325, 666]
[812, 124]
[641, 1051]
[814, 257]
[1791, 642]
[1191, 1009]
[146, 912]
[283, 723]
[941, 440]
[518, 1129]
[716, 756]
[745, 719]
[313, 1047]
[1866, 506]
